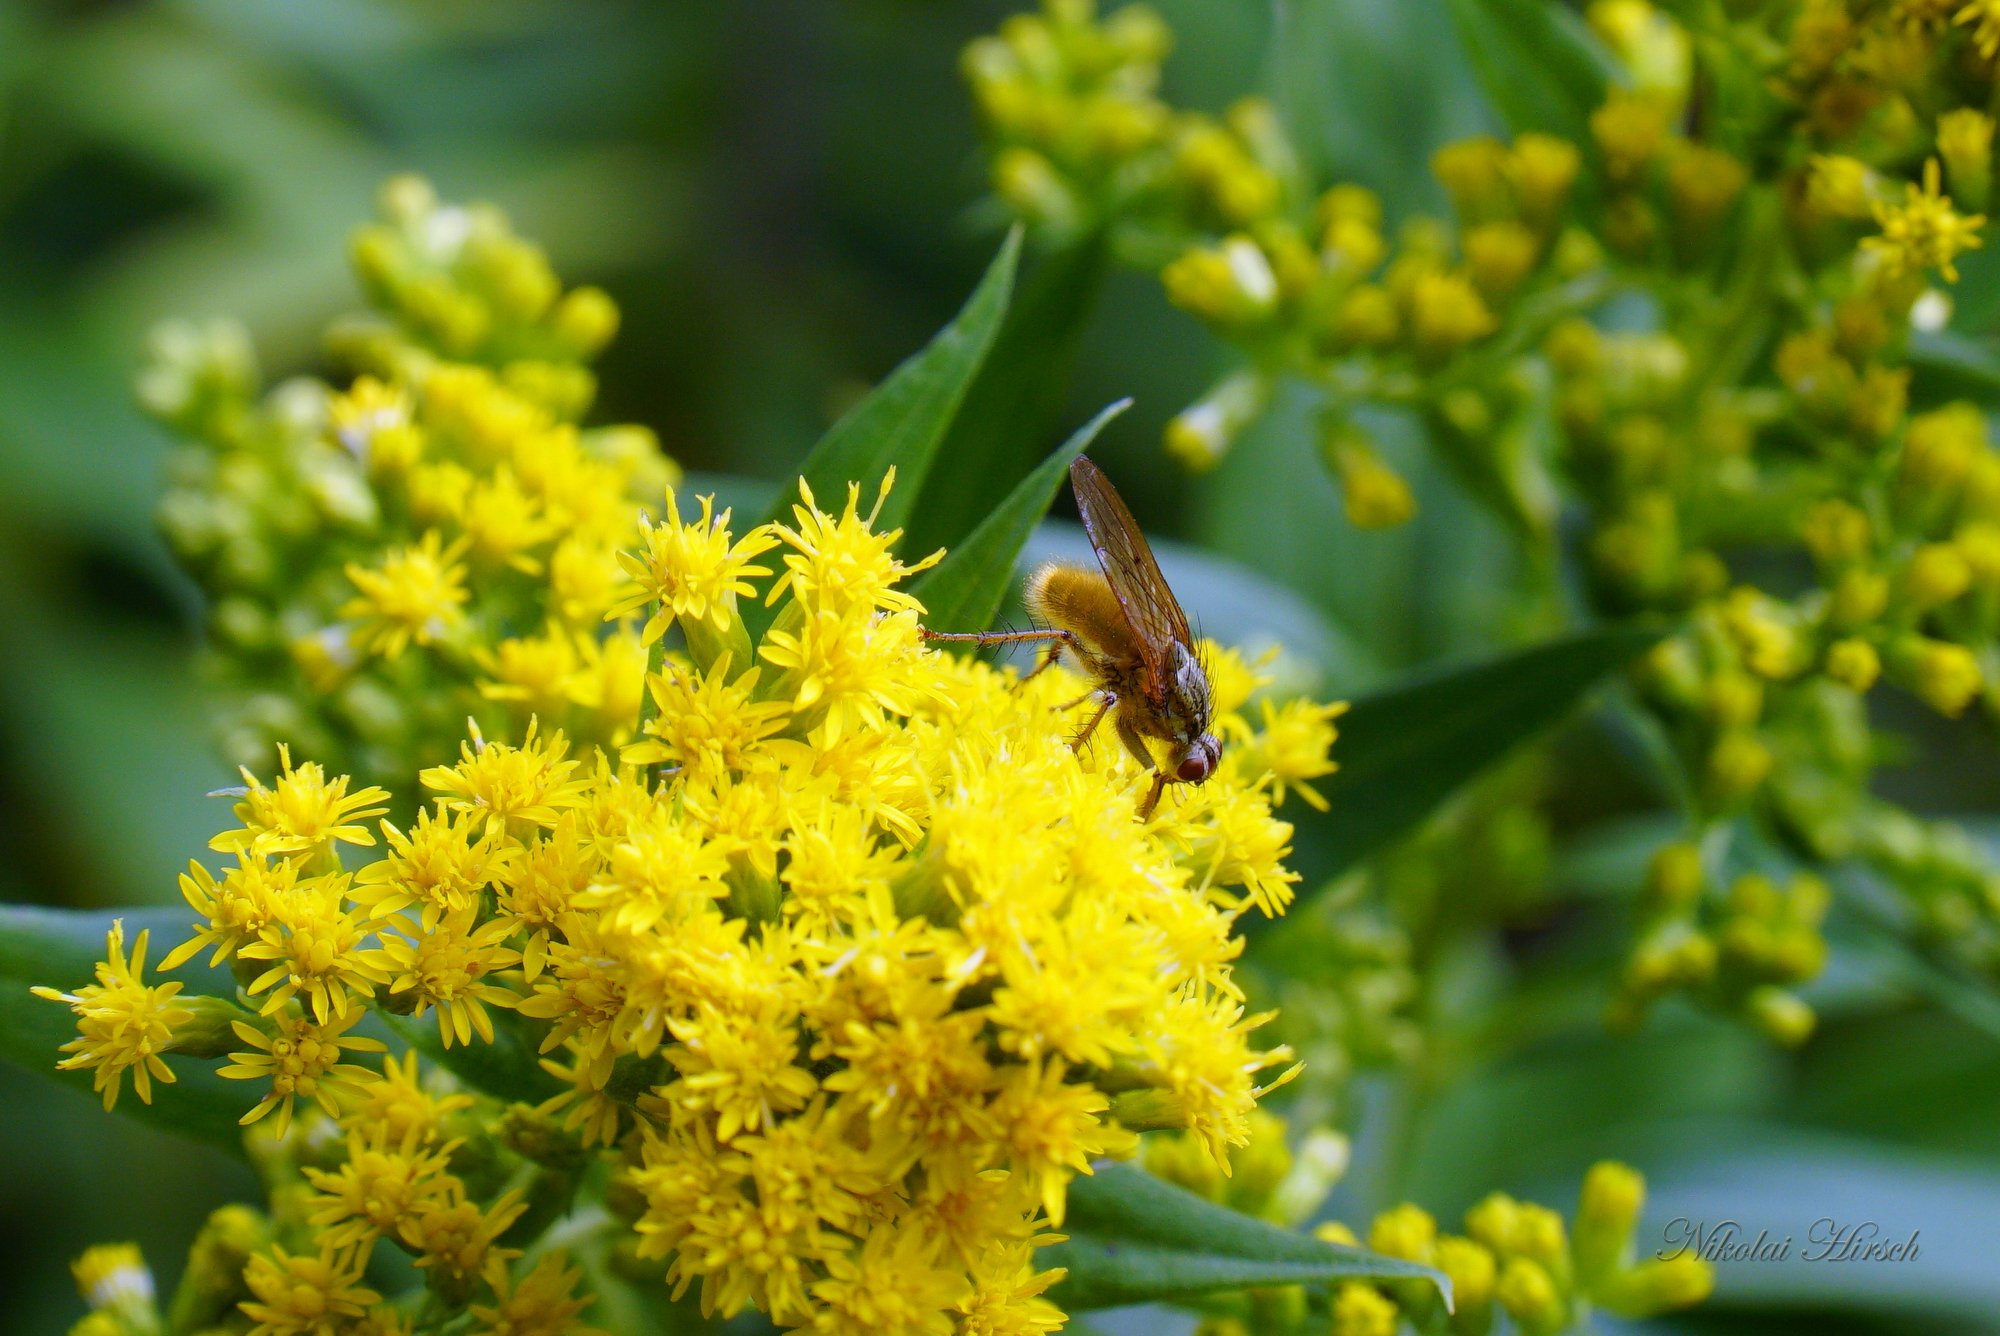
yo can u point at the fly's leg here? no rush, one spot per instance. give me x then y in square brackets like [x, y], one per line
[1144, 756]
[1106, 699]
[1056, 639]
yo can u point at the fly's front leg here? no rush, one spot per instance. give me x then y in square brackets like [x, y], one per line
[1144, 756]
[1056, 639]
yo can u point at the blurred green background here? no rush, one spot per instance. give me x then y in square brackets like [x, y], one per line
[784, 199]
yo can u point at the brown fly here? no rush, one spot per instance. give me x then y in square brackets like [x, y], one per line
[1122, 627]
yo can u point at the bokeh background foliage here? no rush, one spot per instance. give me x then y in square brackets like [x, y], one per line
[779, 196]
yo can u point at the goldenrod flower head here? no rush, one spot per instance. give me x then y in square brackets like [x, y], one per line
[540, 1302]
[1924, 231]
[417, 596]
[1983, 17]
[1363, 1310]
[313, 950]
[839, 563]
[525, 785]
[123, 1024]
[301, 1058]
[114, 1280]
[304, 1295]
[689, 570]
[303, 813]
[381, 1184]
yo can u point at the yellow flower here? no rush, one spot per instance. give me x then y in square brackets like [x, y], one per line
[689, 570]
[123, 1025]
[417, 595]
[1983, 17]
[301, 1059]
[454, 1239]
[707, 723]
[541, 1302]
[381, 1184]
[398, 1108]
[528, 785]
[1924, 231]
[840, 563]
[450, 966]
[238, 908]
[441, 866]
[303, 814]
[314, 952]
[309, 1295]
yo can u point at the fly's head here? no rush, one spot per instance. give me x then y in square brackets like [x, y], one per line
[1189, 706]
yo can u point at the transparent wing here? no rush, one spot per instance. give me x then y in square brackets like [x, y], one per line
[1155, 614]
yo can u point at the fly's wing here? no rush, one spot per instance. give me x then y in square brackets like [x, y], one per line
[1155, 614]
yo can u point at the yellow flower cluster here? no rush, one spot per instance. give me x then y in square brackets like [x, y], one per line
[1788, 231]
[439, 538]
[847, 962]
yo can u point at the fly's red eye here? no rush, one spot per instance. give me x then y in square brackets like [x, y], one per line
[1194, 768]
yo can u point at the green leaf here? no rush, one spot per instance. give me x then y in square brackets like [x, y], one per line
[507, 1068]
[1135, 1239]
[60, 948]
[1954, 366]
[1405, 749]
[1536, 63]
[1010, 411]
[899, 424]
[965, 590]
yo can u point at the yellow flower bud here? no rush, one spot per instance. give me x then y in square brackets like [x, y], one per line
[1737, 764]
[1840, 187]
[1630, 130]
[1474, 173]
[1349, 204]
[1859, 598]
[1363, 1310]
[1702, 184]
[1500, 255]
[1837, 532]
[1200, 435]
[1033, 187]
[1735, 699]
[1530, 1296]
[1365, 318]
[1405, 1231]
[1853, 663]
[1945, 676]
[1374, 495]
[1658, 1285]
[1472, 1270]
[1937, 574]
[1674, 878]
[1607, 1212]
[1781, 1015]
[1965, 142]
[1230, 284]
[1542, 169]
[1447, 313]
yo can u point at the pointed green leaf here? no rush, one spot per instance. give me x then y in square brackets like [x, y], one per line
[1136, 1239]
[1009, 414]
[1404, 750]
[1536, 62]
[965, 590]
[902, 420]
[508, 1068]
[60, 948]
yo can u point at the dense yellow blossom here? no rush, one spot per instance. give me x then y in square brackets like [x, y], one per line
[851, 963]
